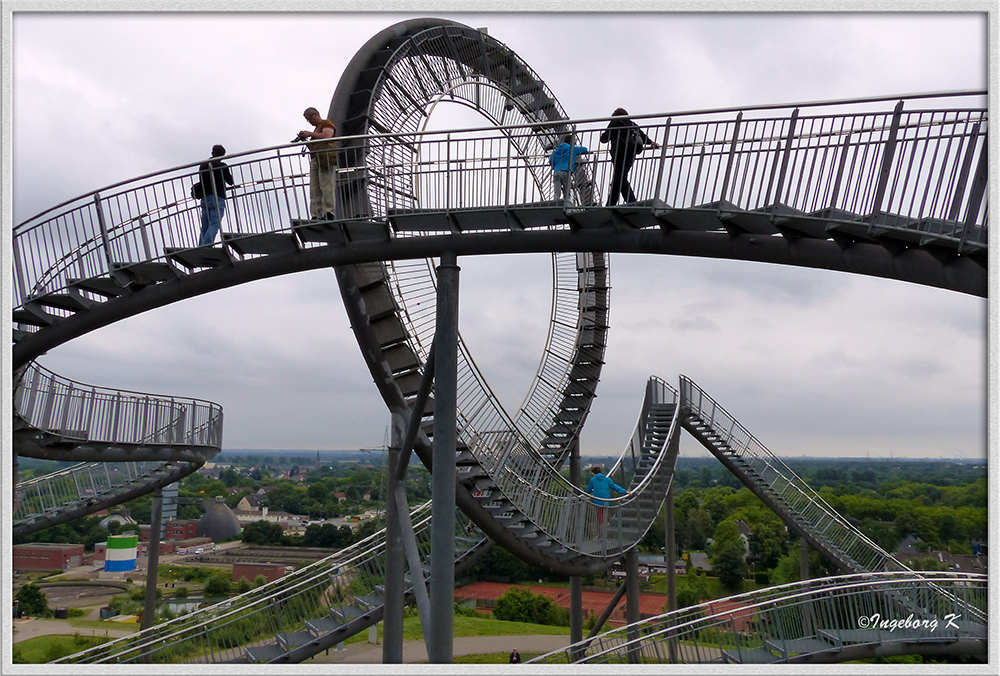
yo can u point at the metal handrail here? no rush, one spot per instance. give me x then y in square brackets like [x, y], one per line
[221, 633]
[799, 619]
[87, 413]
[910, 160]
[53, 491]
[769, 467]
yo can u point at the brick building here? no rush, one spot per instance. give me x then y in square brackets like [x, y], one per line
[46, 556]
[181, 529]
[270, 571]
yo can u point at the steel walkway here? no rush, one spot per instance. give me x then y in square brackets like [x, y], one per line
[887, 188]
[834, 619]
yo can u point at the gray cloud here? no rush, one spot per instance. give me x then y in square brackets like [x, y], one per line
[811, 362]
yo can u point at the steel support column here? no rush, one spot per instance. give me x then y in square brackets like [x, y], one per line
[153, 560]
[803, 559]
[575, 581]
[670, 557]
[440, 639]
[632, 598]
[392, 627]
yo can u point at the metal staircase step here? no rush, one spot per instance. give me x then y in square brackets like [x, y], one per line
[145, 272]
[200, 257]
[246, 244]
[102, 286]
[750, 656]
[264, 653]
[325, 232]
[294, 639]
[71, 300]
[34, 317]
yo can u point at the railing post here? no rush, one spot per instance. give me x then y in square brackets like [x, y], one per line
[145, 238]
[840, 171]
[782, 173]
[21, 291]
[978, 191]
[732, 154]
[663, 159]
[886, 169]
[99, 208]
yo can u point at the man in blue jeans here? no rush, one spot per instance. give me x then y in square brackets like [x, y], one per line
[214, 176]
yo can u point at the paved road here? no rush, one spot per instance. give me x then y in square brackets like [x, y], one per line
[25, 629]
[414, 652]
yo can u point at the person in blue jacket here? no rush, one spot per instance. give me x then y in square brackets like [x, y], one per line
[562, 160]
[600, 487]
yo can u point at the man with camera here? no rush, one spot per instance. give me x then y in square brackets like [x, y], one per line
[322, 165]
[214, 175]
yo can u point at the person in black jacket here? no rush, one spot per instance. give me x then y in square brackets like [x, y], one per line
[626, 140]
[515, 657]
[214, 175]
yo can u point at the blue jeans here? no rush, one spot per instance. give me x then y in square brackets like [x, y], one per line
[212, 210]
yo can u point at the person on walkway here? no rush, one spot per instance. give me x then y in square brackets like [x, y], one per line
[515, 657]
[563, 160]
[627, 140]
[322, 165]
[600, 487]
[214, 176]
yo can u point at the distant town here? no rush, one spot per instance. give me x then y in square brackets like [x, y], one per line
[252, 516]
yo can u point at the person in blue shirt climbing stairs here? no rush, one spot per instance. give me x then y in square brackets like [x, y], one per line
[600, 487]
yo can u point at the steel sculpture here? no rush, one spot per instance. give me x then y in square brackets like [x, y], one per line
[898, 194]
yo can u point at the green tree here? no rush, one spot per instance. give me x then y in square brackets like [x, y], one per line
[217, 584]
[519, 604]
[229, 477]
[692, 589]
[31, 600]
[263, 533]
[697, 528]
[787, 569]
[728, 554]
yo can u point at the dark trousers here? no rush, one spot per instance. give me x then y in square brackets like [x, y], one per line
[621, 164]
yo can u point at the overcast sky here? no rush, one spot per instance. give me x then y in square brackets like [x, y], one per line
[811, 362]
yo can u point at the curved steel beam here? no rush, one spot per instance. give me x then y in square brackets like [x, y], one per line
[960, 273]
[107, 501]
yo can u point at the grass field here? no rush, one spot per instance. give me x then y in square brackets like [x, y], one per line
[44, 649]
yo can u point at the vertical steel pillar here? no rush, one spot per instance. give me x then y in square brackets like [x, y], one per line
[440, 639]
[632, 598]
[153, 560]
[670, 549]
[575, 581]
[392, 627]
[803, 559]
[670, 556]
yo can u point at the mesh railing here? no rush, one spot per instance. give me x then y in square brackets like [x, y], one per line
[790, 492]
[52, 492]
[920, 171]
[795, 621]
[279, 616]
[86, 413]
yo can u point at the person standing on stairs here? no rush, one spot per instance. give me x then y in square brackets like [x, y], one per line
[600, 487]
[562, 161]
[627, 141]
[322, 165]
[214, 175]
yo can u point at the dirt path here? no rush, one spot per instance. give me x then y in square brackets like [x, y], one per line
[414, 652]
[25, 629]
